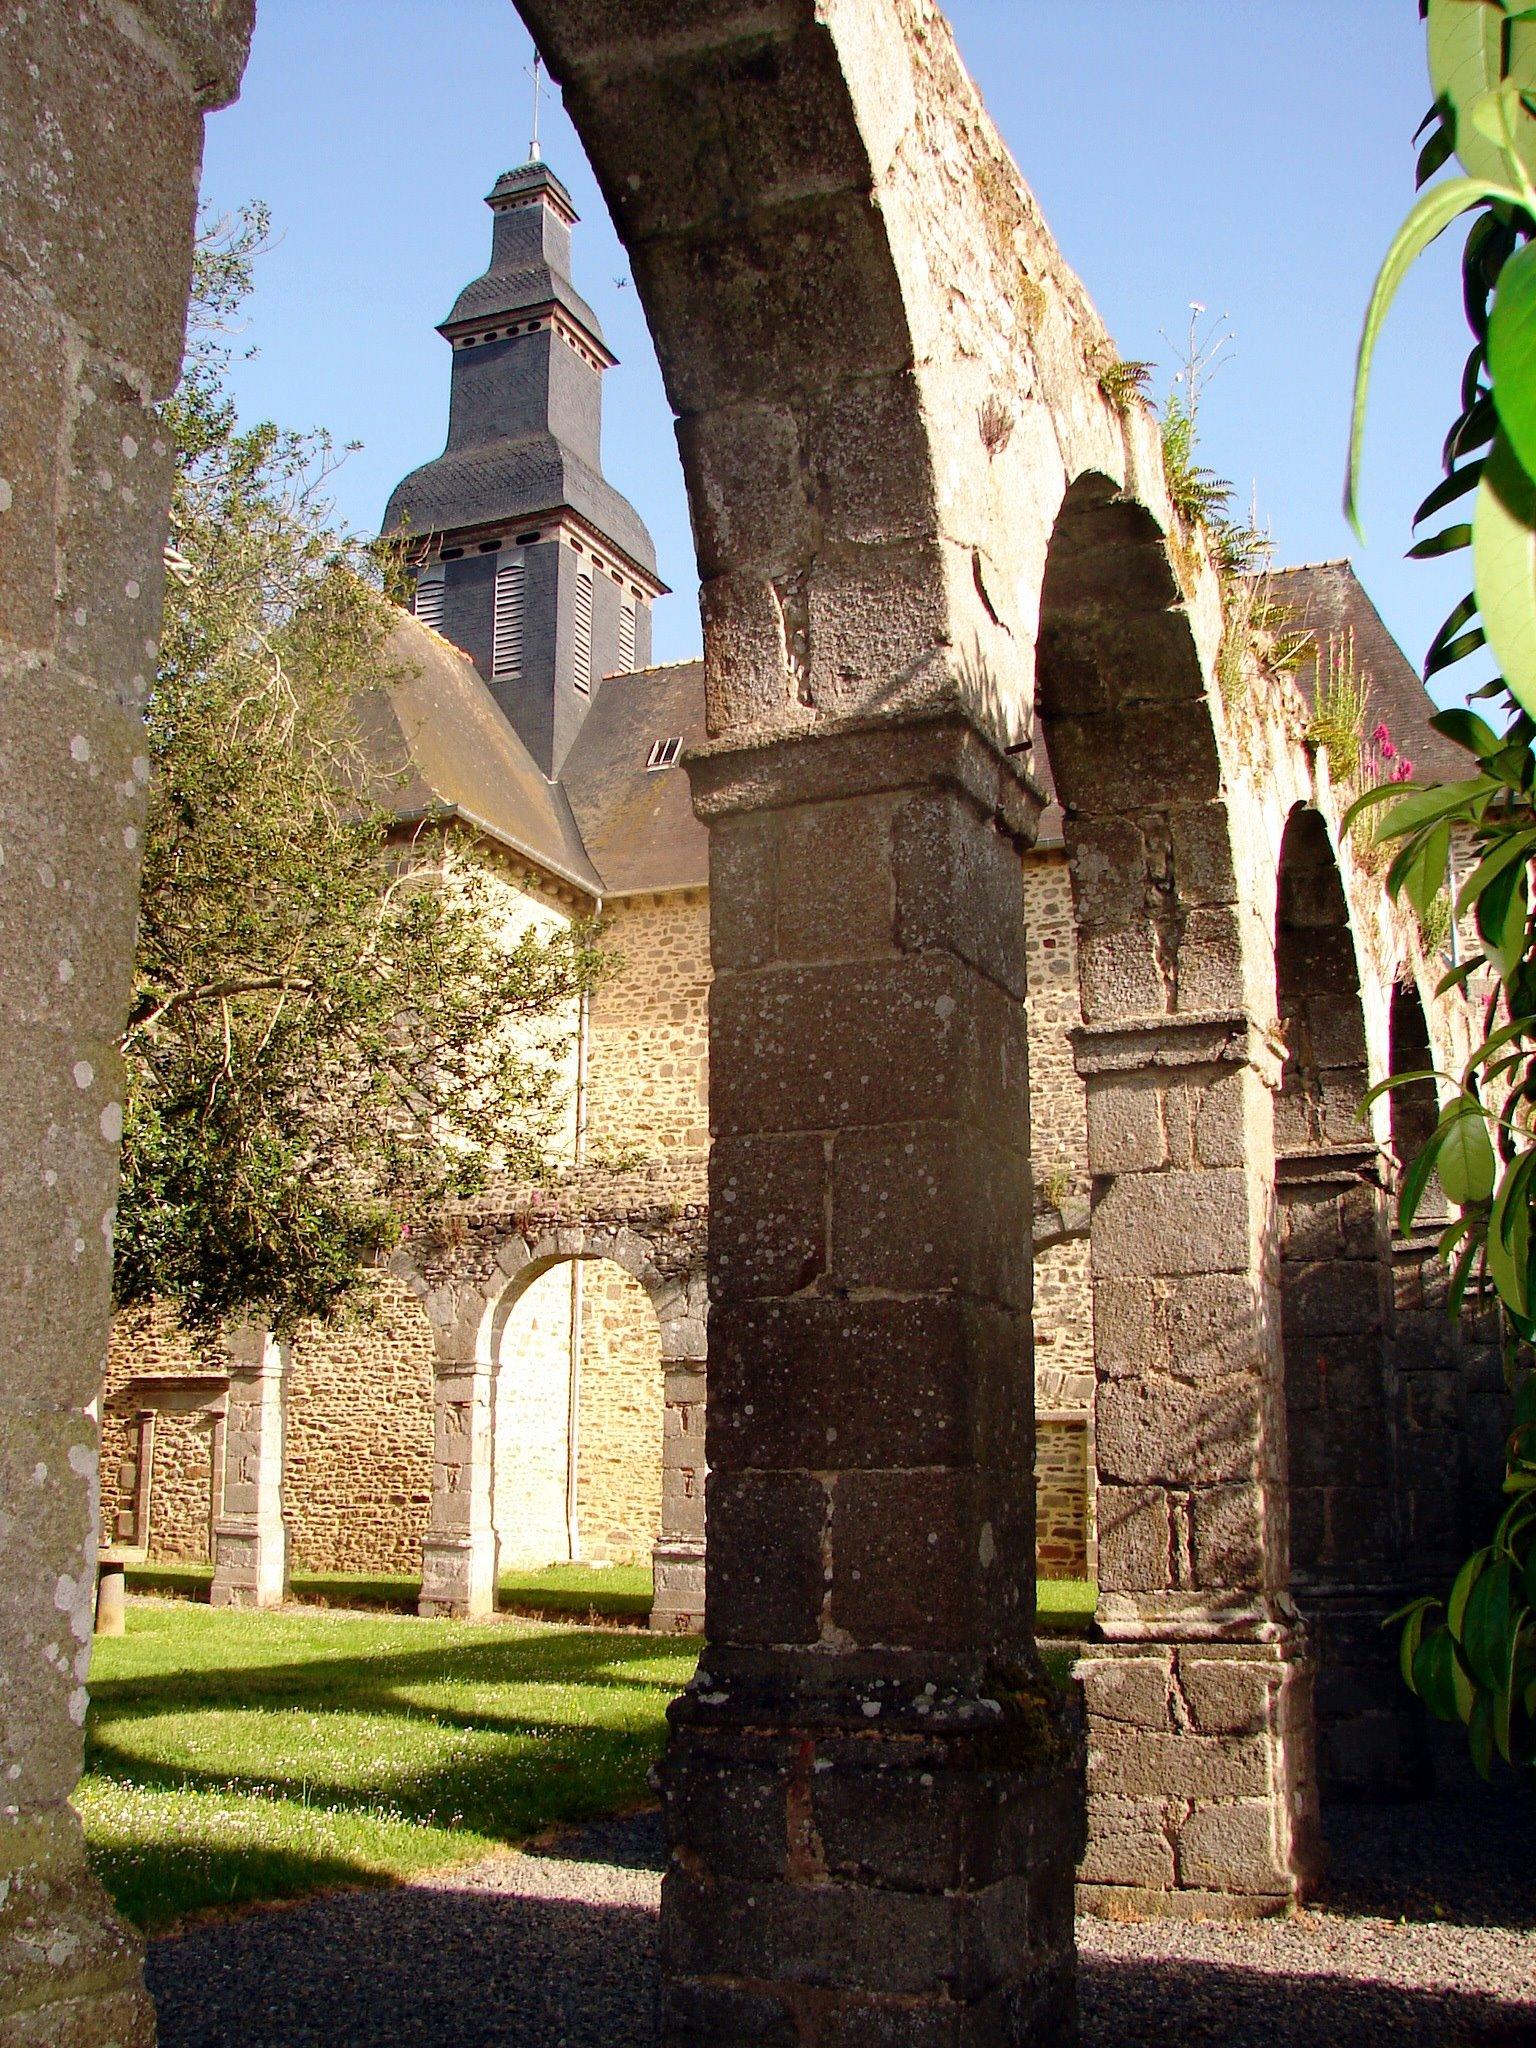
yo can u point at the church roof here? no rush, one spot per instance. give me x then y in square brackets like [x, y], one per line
[500, 292]
[638, 823]
[443, 747]
[512, 480]
[1330, 601]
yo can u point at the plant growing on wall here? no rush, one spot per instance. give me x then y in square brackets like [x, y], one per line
[325, 1026]
[1473, 1657]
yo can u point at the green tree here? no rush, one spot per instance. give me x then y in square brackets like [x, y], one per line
[1472, 1657]
[328, 1026]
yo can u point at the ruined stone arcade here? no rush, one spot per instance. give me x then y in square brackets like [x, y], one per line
[917, 515]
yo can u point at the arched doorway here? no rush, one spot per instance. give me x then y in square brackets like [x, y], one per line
[579, 1409]
[1336, 1316]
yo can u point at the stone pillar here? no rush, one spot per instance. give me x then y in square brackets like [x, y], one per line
[677, 1557]
[1201, 1787]
[458, 1552]
[1344, 1491]
[250, 1537]
[100, 136]
[872, 1791]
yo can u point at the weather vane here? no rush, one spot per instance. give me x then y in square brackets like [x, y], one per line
[536, 72]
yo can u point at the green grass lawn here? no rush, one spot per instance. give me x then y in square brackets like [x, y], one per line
[616, 1592]
[1064, 1607]
[233, 1757]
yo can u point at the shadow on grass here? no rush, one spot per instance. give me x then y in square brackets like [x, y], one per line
[242, 1780]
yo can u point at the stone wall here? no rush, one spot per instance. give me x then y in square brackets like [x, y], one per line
[1058, 1134]
[648, 1054]
[181, 1504]
[533, 1393]
[620, 1425]
[1061, 1497]
[358, 1458]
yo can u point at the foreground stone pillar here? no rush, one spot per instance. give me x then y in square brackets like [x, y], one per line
[458, 1552]
[1201, 1781]
[677, 1557]
[100, 136]
[250, 1537]
[1342, 1415]
[872, 1791]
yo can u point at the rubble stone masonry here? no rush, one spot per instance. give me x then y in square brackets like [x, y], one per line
[648, 1050]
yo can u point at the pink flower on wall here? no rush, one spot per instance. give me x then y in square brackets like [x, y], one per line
[1403, 772]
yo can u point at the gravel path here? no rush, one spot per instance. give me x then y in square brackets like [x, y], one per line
[1427, 1939]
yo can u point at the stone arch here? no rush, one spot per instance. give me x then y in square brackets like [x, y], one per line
[577, 1435]
[471, 1272]
[1336, 1293]
[1416, 1108]
[1188, 1426]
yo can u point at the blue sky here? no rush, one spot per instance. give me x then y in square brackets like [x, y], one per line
[1256, 158]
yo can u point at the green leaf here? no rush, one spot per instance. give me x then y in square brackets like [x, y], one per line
[1433, 1669]
[1438, 800]
[1518, 846]
[1466, 52]
[1480, 1734]
[1512, 353]
[1448, 541]
[1418, 1177]
[1465, 729]
[1501, 913]
[1509, 1236]
[1432, 215]
[1466, 1579]
[1504, 569]
[1466, 1162]
[1412, 1636]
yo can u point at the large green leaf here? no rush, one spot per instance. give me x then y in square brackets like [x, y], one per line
[1466, 1163]
[1487, 1624]
[1512, 353]
[1432, 215]
[1434, 1667]
[1466, 39]
[1504, 568]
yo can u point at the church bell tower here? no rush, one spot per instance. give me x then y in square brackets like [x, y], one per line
[527, 557]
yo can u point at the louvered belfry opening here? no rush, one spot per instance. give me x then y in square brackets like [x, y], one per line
[581, 656]
[626, 639]
[429, 602]
[507, 628]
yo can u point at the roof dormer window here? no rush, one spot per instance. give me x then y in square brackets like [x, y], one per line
[663, 754]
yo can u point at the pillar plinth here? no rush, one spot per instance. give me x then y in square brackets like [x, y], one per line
[872, 1789]
[458, 1552]
[250, 1538]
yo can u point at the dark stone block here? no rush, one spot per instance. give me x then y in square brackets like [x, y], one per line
[764, 1573]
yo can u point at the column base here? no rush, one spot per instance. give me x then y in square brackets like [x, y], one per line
[71, 1973]
[250, 1568]
[1202, 1791]
[677, 1575]
[887, 1866]
[1372, 1734]
[458, 1577]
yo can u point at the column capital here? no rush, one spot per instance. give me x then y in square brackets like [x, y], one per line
[860, 757]
[1336, 1166]
[1199, 1038]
